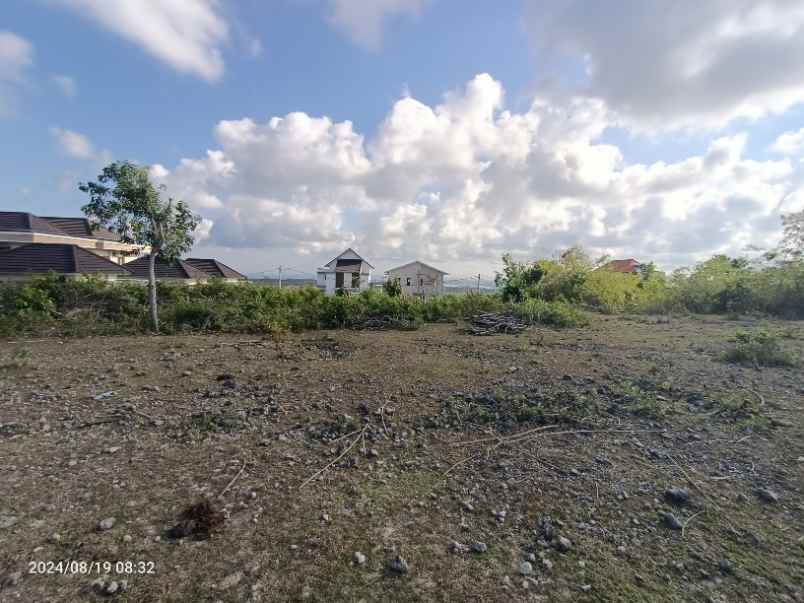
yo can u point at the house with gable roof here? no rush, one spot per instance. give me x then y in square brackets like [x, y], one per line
[348, 272]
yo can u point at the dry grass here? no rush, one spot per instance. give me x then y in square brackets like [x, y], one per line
[646, 407]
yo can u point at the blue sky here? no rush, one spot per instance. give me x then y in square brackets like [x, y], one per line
[477, 128]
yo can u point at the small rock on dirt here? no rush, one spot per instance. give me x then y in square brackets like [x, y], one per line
[563, 544]
[479, 547]
[767, 495]
[106, 524]
[671, 521]
[677, 496]
[398, 565]
[360, 558]
[231, 580]
[526, 568]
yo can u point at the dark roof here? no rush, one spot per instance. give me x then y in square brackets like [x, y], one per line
[81, 227]
[178, 269]
[348, 265]
[214, 268]
[347, 251]
[20, 221]
[627, 266]
[41, 258]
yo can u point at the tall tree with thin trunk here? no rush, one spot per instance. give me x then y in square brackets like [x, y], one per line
[125, 201]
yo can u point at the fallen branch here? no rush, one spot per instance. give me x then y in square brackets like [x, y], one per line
[234, 479]
[339, 457]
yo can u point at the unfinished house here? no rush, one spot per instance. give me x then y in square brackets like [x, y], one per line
[348, 272]
[417, 278]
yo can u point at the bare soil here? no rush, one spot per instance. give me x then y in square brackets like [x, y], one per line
[253, 470]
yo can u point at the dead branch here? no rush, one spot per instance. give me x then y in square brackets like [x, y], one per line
[339, 457]
[234, 479]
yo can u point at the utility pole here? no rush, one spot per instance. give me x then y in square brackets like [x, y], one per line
[280, 276]
[478, 283]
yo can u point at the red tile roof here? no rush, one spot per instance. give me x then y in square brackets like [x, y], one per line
[40, 258]
[627, 266]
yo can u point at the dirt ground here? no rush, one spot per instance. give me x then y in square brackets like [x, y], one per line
[527, 468]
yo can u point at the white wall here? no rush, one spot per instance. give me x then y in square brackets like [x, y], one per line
[423, 280]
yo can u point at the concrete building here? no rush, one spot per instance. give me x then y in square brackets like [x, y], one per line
[347, 272]
[418, 278]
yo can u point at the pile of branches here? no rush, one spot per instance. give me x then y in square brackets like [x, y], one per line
[491, 323]
[385, 323]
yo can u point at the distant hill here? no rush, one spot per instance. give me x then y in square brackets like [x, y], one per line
[286, 282]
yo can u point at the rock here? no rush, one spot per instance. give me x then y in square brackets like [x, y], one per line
[127, 538]
[112, 450]
[677, 496]
[547, 564]
[373, 453]
[586, 587]
[726, 567]
[671, 521]
[467, 506]
[360, 558]
[547, 528]
[456, 548]
[767, 495]
[6, 521]
[54, 538]
[526, 568]
[479, 547]
[398, 565]
[231, 580]
[563, 544]
[151, 388]
[111, 588]
[106, 524]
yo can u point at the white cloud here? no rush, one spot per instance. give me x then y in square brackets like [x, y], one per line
[66, 84]
[76, 145]
[16, 57]
[363, 22]
[687, 64]
[187, 34]
[789, 143]
[466, 180]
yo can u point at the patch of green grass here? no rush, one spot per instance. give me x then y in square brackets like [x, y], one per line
[16, 360]
[760, 348]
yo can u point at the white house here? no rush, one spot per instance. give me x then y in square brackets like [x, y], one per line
[417, 278]
[348, 271]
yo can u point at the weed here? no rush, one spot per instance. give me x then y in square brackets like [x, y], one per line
[760, 348]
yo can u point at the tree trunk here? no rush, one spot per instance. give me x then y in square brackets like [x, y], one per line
[152, 292]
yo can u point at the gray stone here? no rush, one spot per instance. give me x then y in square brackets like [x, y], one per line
[6, 521]
[107, 524]
[526, 568]
[111, 588]
[360, 558]
[398, 565]
[563, 544]
[767, 495]
[726, 566]
[479, 547]
[671, 521]
[231, 580]
[456, 548]
[678, 496]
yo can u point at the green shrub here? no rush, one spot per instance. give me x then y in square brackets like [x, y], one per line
[557, 314]
[759, 349]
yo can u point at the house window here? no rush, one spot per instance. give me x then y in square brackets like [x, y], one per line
[355, 280]
[407, 281]
[421, 282]
[325, 277]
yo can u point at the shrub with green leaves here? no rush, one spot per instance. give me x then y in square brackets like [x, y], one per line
[759, 348]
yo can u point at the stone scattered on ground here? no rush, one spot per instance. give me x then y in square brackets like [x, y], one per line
[106, 524]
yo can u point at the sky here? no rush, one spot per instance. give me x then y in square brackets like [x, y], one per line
[438, 130]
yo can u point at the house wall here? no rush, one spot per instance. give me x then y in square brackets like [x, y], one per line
[423, 280]
[326, 280]
[119, 253]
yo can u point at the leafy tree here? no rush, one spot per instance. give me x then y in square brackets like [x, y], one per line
[518, 280]
[126, 201]
[392, 287]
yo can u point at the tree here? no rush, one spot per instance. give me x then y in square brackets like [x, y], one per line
[392, 287]
[518, 280]
[125, 201]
